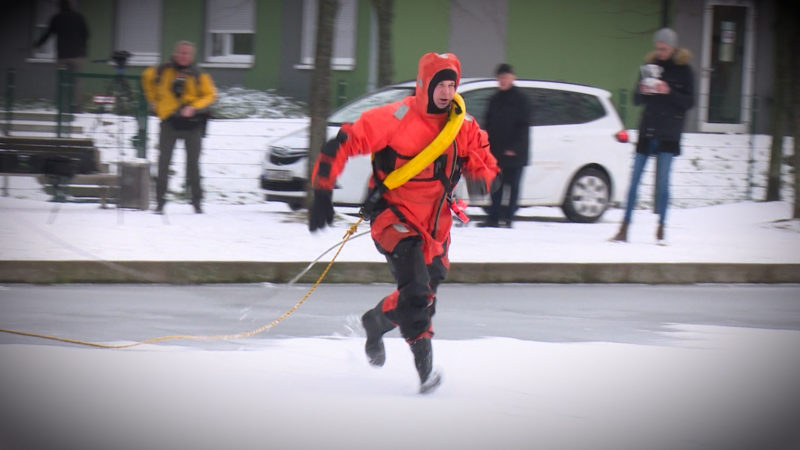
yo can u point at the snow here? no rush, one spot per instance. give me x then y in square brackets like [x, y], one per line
[713, 217]
[38, 230]
[714, 391]
[301, 393]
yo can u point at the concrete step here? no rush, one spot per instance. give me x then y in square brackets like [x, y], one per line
[41, 116]
[89, 191]
[34, 126]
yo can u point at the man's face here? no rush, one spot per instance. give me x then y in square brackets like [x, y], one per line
[443, 93]
[505, 81]
[184, 55]
[663, 51]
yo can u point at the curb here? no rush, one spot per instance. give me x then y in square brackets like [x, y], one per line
[193, 272]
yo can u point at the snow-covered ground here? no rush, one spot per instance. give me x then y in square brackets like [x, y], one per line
[746, 232]
[703, 380]
[711, 218]
[319, 393]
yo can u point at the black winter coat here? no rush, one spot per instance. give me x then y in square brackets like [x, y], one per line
[664, 114]
[71, 32]
[507, 122]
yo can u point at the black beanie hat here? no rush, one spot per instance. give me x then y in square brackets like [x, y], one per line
[442, 75]
[503, 68]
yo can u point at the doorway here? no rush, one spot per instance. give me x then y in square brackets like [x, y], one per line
[726, 77]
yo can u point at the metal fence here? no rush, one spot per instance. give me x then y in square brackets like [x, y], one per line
[713, 169]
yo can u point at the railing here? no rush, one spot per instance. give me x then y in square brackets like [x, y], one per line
[11, 87]
[117, 87]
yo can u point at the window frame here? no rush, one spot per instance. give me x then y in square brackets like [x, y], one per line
[346, 22]
[139, 58]
[228, 59]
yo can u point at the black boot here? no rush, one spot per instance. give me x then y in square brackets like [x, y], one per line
[376, 325]
[423, 360]
[622, 234]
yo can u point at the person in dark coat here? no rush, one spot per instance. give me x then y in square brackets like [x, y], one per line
[666, 89]
[508, 125]
[72, 35]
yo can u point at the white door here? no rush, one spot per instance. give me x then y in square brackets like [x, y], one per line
[727, 66]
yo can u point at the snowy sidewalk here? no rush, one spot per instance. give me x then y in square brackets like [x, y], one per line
[745, 242]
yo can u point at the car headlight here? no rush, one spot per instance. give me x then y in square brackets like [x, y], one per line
[282, 156]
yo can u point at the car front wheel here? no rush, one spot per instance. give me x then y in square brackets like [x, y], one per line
[588, 196]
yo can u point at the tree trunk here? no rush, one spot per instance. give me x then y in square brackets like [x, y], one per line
[384, 9]
[779, 105]
[319, 103]
[794, 89]
[791, 10]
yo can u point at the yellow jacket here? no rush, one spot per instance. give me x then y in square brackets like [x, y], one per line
[199, 90]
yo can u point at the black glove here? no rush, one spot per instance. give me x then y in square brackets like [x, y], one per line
[477, 186]
[374, 196]
[321, 213]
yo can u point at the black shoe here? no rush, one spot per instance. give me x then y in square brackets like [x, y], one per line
[429, 379]
[376, 353]
[197, 208]
[159, 208]
[423, 358]
[433, 381]
[488, 224]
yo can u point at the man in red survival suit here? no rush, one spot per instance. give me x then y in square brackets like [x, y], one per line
[410, 224]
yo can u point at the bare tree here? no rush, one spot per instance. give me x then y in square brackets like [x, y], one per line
[780, 104]
[320, 101]
[794, 89]
[384, 9]
[789, 11]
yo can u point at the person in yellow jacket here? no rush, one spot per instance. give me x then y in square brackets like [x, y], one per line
[180, 95]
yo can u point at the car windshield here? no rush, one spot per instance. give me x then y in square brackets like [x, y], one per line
[352, 111]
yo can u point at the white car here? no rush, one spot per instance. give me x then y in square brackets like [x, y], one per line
[579, 160]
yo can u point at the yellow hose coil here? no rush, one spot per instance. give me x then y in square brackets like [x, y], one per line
[432, 150]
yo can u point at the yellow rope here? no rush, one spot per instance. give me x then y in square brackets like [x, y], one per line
[223, 337]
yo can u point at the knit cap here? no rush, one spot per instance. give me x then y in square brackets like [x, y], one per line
[667, 36]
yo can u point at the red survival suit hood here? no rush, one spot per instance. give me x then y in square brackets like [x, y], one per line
[430, 66]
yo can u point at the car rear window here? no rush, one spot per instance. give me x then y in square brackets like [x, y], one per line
[549, 106]
[557, 107]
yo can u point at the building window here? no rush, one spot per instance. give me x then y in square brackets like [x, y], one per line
[230, 34]
[138, 30]
[344, 35]
[44, 11]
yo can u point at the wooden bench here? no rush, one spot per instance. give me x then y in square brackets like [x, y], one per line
[49, 156]
[59, 160]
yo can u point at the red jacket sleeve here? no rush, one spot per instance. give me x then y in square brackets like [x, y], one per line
[473, 146]
[369, 134]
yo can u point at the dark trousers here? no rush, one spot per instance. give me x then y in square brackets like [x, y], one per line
[73, 65]
[192, 139]
[413, 304]
[511, 177]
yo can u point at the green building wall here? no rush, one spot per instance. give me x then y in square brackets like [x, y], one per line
[349, 84]
[584, 41]
[181, 20]
[265, 72]
[420, 26]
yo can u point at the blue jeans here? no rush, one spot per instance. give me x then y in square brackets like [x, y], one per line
[663, 169]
